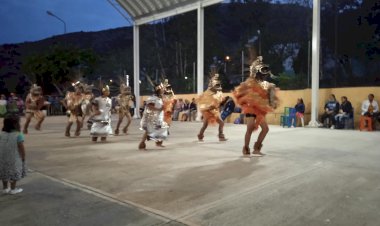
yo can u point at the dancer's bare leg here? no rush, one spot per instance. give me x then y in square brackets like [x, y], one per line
[129, 119]
[264, 131]
[201, 132]
[28, 118]
[68, 127]
[79, 126]
[221, 125]
[38, 126]
[142, 145]
[247, 138]
[121, 116]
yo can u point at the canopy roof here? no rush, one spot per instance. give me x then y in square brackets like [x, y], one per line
[145, 11]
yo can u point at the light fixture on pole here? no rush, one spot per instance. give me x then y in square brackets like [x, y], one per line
[53, 15]
[226, 59]
[259, 36]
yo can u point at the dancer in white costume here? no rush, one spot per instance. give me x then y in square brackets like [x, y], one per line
[101, 116]
[152, 121]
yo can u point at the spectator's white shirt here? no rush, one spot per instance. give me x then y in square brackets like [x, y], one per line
[3, 102]
[366, 104]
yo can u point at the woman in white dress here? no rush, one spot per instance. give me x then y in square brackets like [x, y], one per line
[101, 116]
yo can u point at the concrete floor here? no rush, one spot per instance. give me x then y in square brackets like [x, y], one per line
[308, 177]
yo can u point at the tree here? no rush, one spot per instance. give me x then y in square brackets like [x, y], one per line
[60, 67]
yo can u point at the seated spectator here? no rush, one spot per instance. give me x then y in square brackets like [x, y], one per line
[186, 111]
[345, 112]
[228, 108]
[370, 108]
[178, 107]
[142, 109]
[3, 105]
[300, 110]
[193, 110]
[331, 109]
[12, 104]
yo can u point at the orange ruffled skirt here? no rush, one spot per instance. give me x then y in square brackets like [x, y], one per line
[253, 99]
[209, 104]
[168, 110]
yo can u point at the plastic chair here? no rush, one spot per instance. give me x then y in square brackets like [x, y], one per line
[363, 121]
[288, 117]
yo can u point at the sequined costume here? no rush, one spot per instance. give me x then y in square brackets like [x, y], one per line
[152, 121]
[123, 106]
[33, 104]
[209, 104]
[256, 97]
[101, 118]
[73, 103]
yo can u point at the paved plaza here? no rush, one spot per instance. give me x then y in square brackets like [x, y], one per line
[309, 177]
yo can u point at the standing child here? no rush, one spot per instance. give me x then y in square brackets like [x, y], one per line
[300, 110]
[12, 155]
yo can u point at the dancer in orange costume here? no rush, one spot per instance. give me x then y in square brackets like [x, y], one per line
[256, 97]
[209, 103]
[168, 99]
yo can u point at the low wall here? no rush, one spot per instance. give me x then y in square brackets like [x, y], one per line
[288, 98]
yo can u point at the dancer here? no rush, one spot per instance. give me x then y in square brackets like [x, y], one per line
[101, 116]
[86, 105]
[168, 102]
[152, 121]
[123, 100]
[209, 104]
[73, 103]
[33, 105]
[256, 97]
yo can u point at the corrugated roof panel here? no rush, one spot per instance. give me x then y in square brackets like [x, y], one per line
[145, 11]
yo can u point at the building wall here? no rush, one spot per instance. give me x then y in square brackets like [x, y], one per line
[288, 98]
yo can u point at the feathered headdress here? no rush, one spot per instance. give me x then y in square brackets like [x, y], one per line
[35, 89]
[258, 66]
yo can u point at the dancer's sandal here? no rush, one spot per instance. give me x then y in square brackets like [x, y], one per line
[257, 150]
[159, 144]
[200, 137]
[142, 146]
[222, 137]
[125, 130]
[116, 131]
[245, 151]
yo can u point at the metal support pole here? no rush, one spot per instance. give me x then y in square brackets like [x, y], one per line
[242, 66]
[193, 77]
[136, 68]
[200, 58]
[315, 64]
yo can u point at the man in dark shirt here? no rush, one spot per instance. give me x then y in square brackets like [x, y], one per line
[345, 111]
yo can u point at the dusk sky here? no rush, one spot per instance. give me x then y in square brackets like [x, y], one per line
[27, 20]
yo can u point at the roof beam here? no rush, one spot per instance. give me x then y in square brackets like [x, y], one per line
[172, 12]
